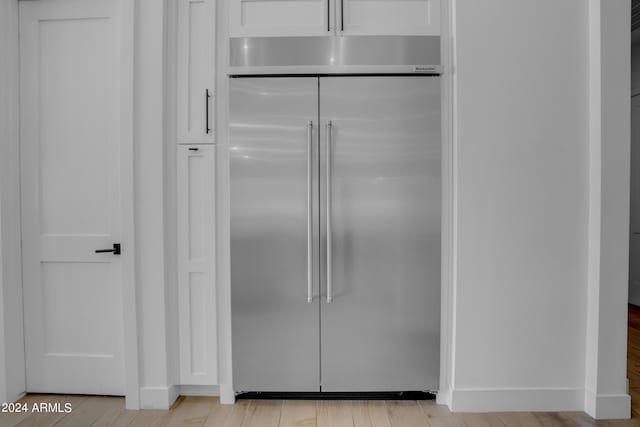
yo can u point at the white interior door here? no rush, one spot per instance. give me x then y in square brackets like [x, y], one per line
[70, 153]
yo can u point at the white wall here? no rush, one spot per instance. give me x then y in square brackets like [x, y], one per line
[12, 375]
[522, 146]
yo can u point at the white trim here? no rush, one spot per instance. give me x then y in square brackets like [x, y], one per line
[227, 395]
[12, 361]
[447, 296]
[517, 399]
[607, 280]
[129, 288]
[595, 183]
[223, 266]
[443, 396]
[158, 397]
[170, 188]
[607, 406]
[199, 390]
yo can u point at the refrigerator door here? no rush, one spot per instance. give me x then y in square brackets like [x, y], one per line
[380, 227]
[274, 212]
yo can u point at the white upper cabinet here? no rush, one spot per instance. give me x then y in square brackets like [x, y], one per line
[388, 17]
[196, 71]
[255, 18]
[280, 17]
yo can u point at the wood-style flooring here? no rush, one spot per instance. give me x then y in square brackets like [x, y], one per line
[206, 411]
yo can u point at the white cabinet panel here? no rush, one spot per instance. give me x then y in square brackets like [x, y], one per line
[334, 17]
[196, 264]
[389, 17]
[196, 71]
[280, 17]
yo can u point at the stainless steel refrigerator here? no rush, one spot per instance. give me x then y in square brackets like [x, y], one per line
[335, 233]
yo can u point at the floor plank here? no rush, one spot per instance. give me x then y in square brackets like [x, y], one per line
[46, 419]
[518, 419]
[150, 417]
[360, 413]
[13, 418]
[90, 410]
[299, 413]
[440, 416]
[192, 411]
[406, 413]
[334, 413]
[123, 418]
[218, 414]
[238, 413]
[378, 413]
[263, 413]
[482, 420]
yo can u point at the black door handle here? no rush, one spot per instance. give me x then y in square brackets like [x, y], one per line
[206, 111]
[115, 250]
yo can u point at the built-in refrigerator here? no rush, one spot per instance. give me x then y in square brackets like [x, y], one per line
[335, 233]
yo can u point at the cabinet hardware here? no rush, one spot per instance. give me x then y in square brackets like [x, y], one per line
[193, 149]
[341, 15]
[115, 250]
[206, 112]
[328, 15]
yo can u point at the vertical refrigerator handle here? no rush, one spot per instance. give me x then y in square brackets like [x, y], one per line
[329, 144]
[309, 212]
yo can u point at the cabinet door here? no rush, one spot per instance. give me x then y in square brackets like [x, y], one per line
[281, 17]
[196, 71]
[388, 17]
[196, 264]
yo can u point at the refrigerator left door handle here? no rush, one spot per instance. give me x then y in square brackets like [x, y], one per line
[309, 212]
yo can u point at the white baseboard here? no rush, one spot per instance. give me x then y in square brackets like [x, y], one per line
[443, 397]
[504, 400]
[199, 390]
[14, 398]
[227, 395]
[158, 397]
[607, 406]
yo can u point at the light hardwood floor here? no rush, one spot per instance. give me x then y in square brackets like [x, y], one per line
[206, 411]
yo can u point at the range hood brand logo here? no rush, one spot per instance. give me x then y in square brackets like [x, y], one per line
[424, 69]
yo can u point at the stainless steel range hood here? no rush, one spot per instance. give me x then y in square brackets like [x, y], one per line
[334, 55]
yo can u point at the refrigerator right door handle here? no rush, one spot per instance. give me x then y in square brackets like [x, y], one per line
[309, 212]
[328, 213]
